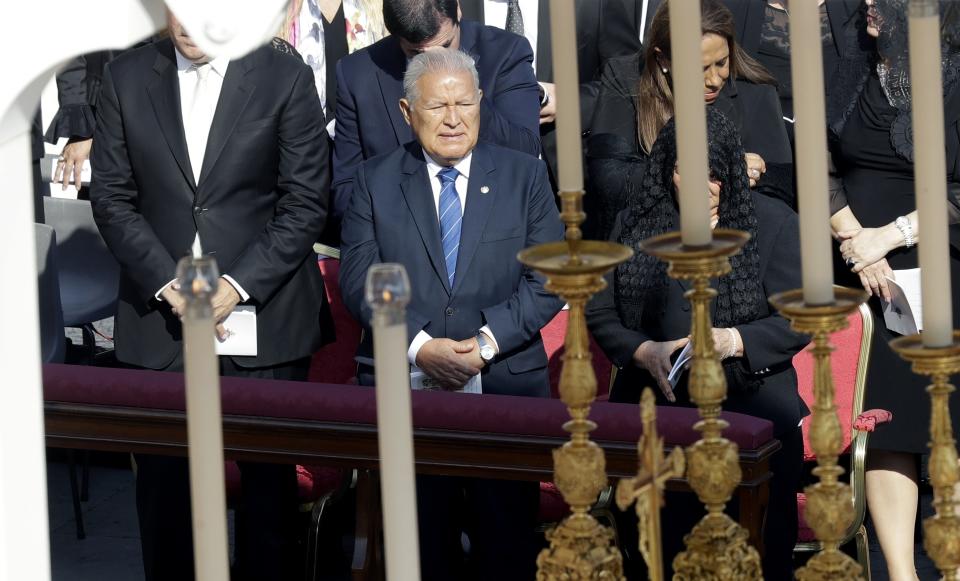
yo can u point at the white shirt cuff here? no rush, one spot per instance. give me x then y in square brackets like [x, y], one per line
[415, 345]
[486, 331]
[159, 295]
[244, 297]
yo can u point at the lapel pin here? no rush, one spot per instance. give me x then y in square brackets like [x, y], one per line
[484, 189]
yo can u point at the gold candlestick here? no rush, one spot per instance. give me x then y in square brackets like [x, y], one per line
[941, 532]
[717, 546]
[829, 502]
[580, 547]
[646, 490]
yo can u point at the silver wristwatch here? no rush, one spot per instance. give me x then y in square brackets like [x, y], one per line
[487, 352]
[906, 229]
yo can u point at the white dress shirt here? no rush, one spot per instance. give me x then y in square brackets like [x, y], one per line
[197, 113]
[495, 14]
[433, 169]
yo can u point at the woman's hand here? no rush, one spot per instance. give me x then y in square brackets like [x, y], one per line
[866, 246]
[727, 342]
[756, 167]
[654, 356]
[70, 164]
[874, 279]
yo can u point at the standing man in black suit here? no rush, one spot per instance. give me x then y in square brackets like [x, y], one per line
[604, 30]
[370, 85]
[455, 213]
[230, 155]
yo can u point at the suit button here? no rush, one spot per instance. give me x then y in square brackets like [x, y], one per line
[449, 311]
[685, 306]
[197, 210]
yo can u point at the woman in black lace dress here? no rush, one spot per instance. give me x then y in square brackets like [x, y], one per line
[876, 222]
[642, 318]
[636, 101]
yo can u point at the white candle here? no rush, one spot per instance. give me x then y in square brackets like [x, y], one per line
[563, 30]
[204, 422]
[690, 112]
[388, 292]
[930, 172]
[806, 59]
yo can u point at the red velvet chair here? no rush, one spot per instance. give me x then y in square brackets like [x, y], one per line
[849, 366]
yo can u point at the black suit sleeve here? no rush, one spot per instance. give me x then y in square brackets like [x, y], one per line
[770, 341]
[359, 251]
[616, 35]
[114, 198]
[511, 116]
[617, 341]
[765, 135]
[302, 186]
[518, 319]
[347, 152]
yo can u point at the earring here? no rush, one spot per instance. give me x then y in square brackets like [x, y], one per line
[665, 70]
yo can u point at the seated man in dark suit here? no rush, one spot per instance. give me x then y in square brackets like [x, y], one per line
[455, 214]
[370, 84]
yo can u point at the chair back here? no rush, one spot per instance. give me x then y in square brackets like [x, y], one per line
[89, 274]
[849, 367]
[53, 346]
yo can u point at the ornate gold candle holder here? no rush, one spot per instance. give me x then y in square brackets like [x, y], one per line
[942, 531]
[717, 547]
[580, 547]
[829, 501]
[646, 490]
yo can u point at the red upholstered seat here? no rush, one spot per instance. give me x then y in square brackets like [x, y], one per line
[849, 366]
[334, 363]
[844, 364]
[553, 336]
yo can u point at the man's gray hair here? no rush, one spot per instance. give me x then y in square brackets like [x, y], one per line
[440, 60]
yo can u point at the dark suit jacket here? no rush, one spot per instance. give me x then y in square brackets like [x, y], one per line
[392, 218]
[370, 85]
[769, 343]
[603, 31]
[259, 205]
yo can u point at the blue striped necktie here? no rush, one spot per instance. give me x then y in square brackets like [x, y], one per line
[451, 219]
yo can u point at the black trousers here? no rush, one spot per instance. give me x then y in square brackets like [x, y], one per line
[682, 511]
[266, 516]
[498, 517]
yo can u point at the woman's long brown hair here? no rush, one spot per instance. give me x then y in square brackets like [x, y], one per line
[655, 97]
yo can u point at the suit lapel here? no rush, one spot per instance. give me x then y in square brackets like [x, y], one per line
[418, 193]
[164, 94]
[544, 44]
[234, 96]
[481, 195]
[391, 89]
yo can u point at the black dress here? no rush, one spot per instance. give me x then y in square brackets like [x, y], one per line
[879, 187]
